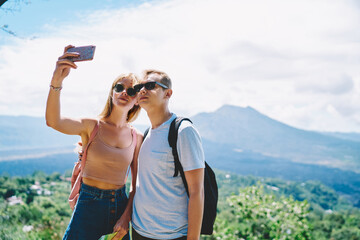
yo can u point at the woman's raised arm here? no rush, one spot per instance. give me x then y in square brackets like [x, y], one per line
[53, 115]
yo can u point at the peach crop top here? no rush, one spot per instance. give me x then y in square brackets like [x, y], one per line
[107, 163]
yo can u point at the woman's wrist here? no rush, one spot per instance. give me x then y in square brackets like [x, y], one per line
[56, 84]
[127, 215]
[55, 88]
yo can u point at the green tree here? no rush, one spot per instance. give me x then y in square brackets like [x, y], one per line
[260, 215]
[346, 233]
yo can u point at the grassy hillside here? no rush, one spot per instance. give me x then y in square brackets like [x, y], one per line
[43, 211]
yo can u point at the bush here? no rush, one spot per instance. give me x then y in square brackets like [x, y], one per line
[257, 215]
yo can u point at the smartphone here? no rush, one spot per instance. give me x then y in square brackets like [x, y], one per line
[108, 236]
[86, 53]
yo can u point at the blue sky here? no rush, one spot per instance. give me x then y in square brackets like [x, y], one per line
[27, 18]
[295, 61]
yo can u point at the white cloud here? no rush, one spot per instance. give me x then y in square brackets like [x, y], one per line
[326, 83]
[291, 60]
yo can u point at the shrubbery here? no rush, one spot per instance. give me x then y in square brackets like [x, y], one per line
[249, 208]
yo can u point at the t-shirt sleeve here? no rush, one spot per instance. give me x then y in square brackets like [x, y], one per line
[189, 147]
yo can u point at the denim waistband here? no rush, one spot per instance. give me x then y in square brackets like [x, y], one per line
[100, 193]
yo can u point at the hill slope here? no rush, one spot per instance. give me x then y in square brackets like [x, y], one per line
[247, 129]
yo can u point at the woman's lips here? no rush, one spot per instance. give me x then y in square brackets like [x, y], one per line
[124, 99]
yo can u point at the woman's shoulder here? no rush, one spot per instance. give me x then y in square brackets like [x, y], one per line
[88, 126]
[89, 123]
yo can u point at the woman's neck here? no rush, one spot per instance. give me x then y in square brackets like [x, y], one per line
[117, 119]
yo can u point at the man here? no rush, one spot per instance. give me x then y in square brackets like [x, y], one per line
[162, 208]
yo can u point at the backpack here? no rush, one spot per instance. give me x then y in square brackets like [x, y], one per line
[210, 185]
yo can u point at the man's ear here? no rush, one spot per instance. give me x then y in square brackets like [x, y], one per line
[168, 93]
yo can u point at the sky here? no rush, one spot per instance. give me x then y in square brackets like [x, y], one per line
[296, 61]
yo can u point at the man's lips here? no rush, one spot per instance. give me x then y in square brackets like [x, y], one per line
[142, 98]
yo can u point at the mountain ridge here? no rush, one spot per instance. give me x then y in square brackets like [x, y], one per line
[244, 129]
[248, 129]
[241, 140]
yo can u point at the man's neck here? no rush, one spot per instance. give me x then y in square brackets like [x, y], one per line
[158, 116]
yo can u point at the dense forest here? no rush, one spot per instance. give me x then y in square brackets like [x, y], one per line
[35, 207]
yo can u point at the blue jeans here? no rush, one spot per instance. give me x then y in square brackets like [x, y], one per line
[96, 213]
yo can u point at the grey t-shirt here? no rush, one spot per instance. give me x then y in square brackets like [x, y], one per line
[160, 207]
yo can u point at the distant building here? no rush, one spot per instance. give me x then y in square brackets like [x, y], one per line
[272, 188]
[36, 188]
[27, 228]
[13, 200]
[329, 211]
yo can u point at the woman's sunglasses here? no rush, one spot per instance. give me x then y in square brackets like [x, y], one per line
[130, 91]
[148, 86]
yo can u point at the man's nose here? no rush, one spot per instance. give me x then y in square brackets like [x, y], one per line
[142, 90]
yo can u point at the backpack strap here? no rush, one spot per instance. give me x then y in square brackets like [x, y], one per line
[134, 138]
[92, 136]
[172, 138]
[146, 133]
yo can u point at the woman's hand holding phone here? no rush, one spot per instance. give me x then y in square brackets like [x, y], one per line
[63, 66]
[66, 61]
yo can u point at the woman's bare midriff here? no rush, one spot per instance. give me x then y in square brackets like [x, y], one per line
[100, 185]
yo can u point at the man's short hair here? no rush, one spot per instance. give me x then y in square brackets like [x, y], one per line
[165, 79]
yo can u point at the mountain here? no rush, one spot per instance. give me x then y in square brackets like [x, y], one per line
[244, 141]
[236, 139]
[23, 132]
[245, 129]
[29, 138]
[24, 137]
[347, 136]
[239, 129]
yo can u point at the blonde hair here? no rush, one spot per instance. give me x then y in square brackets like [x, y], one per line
[134, 111]
[165, 79]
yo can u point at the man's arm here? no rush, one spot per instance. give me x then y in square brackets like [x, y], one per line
[195, 181]
[192, 159]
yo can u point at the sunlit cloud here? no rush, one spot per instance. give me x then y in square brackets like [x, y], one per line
[327, 84]
[295, 61]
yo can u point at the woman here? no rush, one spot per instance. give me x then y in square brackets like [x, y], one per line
[103, 206]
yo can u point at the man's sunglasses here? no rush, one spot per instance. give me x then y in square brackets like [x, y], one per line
[130, 91]
[149, 86]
